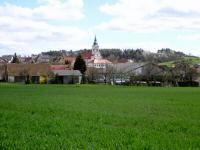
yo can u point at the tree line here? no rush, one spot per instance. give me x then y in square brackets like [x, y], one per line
[137, 55]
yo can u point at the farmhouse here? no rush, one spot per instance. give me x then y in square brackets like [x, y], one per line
[36, 73]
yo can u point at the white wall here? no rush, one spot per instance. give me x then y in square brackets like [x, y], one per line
[1, 77]
[11, 79]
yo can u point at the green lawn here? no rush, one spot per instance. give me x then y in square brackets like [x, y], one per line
[98, 117]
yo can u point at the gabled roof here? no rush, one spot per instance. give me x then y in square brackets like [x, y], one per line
[101, 61]
[59, 67]
[32, 69]
[128, 67]
[2, 60]
[67, 72]
[87, 55]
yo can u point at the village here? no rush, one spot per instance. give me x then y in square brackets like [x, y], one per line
[99, 75]
[38, 69]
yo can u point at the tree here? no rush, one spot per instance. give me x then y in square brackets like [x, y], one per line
[80, 64]
[15, 59]
[92, 74]
[26, 74]
[184, 71]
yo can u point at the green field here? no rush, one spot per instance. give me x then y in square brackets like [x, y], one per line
[98, 117]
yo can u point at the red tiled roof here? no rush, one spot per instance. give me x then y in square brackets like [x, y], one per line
[59, 67]
[101, 61]
[87, 55]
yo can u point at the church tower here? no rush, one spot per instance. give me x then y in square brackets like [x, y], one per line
[95, 50]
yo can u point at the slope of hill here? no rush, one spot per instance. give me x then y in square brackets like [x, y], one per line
[192, 59]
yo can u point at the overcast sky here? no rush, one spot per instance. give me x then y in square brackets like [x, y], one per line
[32, 26]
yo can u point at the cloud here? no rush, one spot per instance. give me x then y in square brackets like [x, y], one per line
[151, 15]
[193, 37]
[30, 34]
[46, 10]
[30, 30]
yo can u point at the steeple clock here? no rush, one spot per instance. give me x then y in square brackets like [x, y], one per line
[95, 50]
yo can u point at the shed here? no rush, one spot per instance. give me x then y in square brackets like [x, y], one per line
[67, 76]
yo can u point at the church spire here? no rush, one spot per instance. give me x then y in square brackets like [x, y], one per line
[95, 41]
[95, 49]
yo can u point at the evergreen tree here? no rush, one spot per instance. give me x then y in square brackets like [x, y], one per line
[15, 59]
[80, 64]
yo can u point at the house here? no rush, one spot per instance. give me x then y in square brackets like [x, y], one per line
[2, 60]
[87, 56]
[7, 58]
[152, 74]
[70, 60]
[124, 71]
[36, 73]
[152, 69]
[25, 60]
[67, 76]
[43, 59]
[99, 63]
[34, 58]
[129, 68]
[137, 72]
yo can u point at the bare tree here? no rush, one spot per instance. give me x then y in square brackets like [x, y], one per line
[26, 74]
[184, 71]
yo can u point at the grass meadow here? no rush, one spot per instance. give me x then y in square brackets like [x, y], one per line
[95, 117]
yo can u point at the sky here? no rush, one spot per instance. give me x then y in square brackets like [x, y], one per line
[33, 26]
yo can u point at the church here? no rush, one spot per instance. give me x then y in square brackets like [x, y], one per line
[95, 59]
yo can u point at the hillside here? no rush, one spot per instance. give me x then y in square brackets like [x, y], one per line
[192, 59]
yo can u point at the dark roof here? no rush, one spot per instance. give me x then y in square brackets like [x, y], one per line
[95, 41]
[2, 60]
[67, 72]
